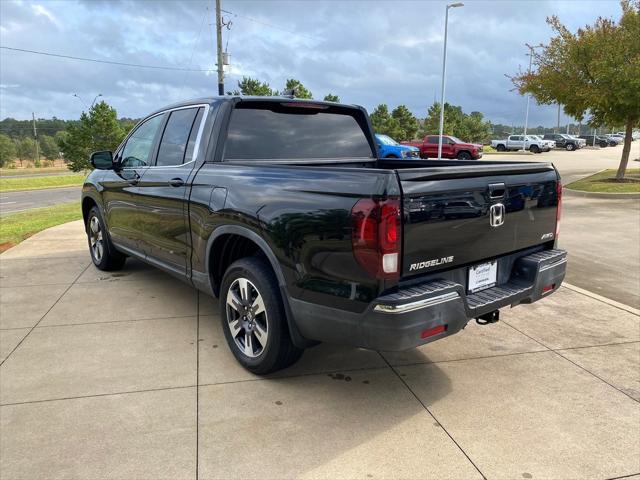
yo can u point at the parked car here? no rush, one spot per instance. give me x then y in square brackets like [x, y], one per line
[597, 140]
[389, 148]
[581, 142]
[547, 144]
[634, 135]
[281, 208]
[616, 137]
[564, 141]
[516, 142]
[452, 147]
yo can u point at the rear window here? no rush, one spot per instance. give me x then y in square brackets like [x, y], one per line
[280, 132]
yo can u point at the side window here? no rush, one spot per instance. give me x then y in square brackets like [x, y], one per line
[177, 132]
[137, 151]
[432, 140]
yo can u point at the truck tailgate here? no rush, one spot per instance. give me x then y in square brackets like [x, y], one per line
[455, 216]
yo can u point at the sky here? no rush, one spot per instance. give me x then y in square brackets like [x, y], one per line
[367, 52]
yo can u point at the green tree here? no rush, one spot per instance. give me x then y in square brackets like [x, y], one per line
[299, 90]
[253, 86]
[48, 147]
[594, 71]
[476, 128]
[409, 124]
[26, 148]
[453, 120]
[97, 130]
[384, 123]
[8, 150]
[330, 97]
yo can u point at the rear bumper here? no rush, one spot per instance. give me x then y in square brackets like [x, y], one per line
[397, 321]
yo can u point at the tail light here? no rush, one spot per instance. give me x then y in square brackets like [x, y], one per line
[376, 236]
[559, 209]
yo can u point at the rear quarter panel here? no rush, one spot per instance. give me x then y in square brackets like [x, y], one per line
[303, 213]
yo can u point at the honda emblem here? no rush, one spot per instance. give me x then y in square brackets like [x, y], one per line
[496, 215]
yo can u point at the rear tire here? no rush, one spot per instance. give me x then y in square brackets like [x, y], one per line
[103, 254]
[253, 317]
[501, 148]
[603, 144]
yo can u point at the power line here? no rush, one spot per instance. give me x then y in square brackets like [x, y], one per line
[94, 60]
[266, 24]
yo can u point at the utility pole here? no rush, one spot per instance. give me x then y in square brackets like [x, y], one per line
[219, 49]
[526, 117]
[35, 136]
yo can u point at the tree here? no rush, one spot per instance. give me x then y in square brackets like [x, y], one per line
[97, 130]
[299, 90]
[329, 97]
[453, 120]
[253, 86]
[594, 72]
[48, 147]
[384, 123]
[409, 124]
[26, 148]
[8, 150]
[477, 130]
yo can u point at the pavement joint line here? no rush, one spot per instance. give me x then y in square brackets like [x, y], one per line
[97, 395]
[432, 415]
[557, 352]
[197, 383]
[114, 321]
[624, 476]
[600, 298]
[613, 344]
[483, 357]
[42, 317]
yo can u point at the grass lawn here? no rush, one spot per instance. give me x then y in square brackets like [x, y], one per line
[33, 171]
[37, 183]
[15, 227]
[605, 182]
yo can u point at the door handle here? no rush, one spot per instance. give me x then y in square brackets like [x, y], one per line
[176, 182]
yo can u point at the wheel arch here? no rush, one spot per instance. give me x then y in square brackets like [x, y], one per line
[217, 261]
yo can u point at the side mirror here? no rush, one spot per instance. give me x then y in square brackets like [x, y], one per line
[102, 160]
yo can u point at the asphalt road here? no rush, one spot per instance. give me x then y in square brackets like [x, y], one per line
[13, 202]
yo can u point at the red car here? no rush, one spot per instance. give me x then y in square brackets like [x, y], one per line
[452, 147]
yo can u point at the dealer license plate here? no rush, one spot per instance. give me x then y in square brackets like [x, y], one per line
[482, 276]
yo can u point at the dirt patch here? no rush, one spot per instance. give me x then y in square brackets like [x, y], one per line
[6, 246]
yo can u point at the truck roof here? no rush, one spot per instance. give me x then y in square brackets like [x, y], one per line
[252, 98]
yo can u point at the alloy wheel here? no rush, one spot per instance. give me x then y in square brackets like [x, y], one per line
[96, 239]
[247, 317]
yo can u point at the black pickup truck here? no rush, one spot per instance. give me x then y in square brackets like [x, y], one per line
[281, 209]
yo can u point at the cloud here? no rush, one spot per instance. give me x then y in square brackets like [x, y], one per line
[365, 52]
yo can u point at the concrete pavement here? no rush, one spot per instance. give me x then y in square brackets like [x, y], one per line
[14, 202]
[127, 375]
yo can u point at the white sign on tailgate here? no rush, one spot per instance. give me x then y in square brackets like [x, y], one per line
[482, 276]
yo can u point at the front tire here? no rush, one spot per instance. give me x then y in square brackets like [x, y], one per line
[253, 317]
[570, 147]
[534, 149]
[464, 156]
[103, 253]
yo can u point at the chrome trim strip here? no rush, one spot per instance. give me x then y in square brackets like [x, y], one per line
[417, 305]
[553, 265]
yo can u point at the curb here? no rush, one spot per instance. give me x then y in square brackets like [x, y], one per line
[608, 195]
[602, 299]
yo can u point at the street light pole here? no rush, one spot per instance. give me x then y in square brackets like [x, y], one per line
[94, 99]
[81, 101]
[444, 72]
[526, 117]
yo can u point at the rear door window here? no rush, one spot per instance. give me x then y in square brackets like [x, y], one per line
[176, 137]
[276, 131]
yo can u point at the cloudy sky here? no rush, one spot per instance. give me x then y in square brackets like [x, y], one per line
[367, 52]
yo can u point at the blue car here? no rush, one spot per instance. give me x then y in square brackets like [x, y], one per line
[389, 148]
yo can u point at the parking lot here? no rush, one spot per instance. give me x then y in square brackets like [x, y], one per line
[127, 375]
